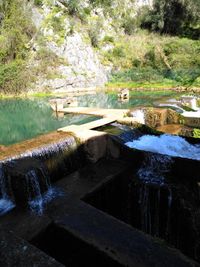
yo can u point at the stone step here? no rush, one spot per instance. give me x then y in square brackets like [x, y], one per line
[17, 252]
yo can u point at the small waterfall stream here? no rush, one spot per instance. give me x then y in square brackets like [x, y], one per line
[6, 204]
[36, 200]
[25, 180]
[154, 193]
[34, 192]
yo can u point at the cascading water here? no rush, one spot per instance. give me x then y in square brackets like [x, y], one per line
[138, 115]
[36, 200]
[168, 145]
[6, 204]
[28, 176]
[153, 169]
[154, 192]
[34, 193]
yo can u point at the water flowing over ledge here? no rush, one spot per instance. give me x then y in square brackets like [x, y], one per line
[174, 146]
[26, 179]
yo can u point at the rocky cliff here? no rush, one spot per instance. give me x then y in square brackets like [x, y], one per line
[65, 49]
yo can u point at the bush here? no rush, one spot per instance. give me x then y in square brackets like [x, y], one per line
[142, 75]
[38, 2]
[118, 52]
[108, 39]
[74, 7]
[175, 17]
[93, 35]
[129, 25]
[13, 77]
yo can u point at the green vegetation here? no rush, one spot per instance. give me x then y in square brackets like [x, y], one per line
[148, 60]
[175, 17]
[148, 47]
[16, 31]
[196, 133]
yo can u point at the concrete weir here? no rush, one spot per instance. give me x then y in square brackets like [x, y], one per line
[100, 216]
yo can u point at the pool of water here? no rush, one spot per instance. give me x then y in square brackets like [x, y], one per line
[22, 119]
[137, 98]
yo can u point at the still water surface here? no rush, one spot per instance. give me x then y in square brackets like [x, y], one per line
[22, 119]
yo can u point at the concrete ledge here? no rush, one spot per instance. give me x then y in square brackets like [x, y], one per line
[125, 245]
[15, 252]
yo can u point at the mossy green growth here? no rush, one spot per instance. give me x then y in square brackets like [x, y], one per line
[196, 133]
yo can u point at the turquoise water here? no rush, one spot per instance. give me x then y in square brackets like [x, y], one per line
[110, 100]
[22, 119]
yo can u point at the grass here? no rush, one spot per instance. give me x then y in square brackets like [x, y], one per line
[148, 60]
[140, 85]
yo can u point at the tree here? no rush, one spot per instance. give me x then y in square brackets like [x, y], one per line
[176, 17]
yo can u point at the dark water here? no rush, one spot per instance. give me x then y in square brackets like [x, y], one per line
[22, 119]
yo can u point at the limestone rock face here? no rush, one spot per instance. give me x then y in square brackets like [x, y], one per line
[84, 68]
[78, 66]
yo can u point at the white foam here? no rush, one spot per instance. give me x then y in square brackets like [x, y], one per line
[167, 145]
[6, 205]
[37, 205]
[138, 115]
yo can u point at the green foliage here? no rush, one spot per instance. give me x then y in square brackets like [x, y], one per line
[118, 52]
[74, 7]
[93, 37]
[152, 58]
[101, 3]
[129, 25]
[13, 77]
[175, 17]
[38, 2]
[108, 39]
[196, 133]
[16, 32]
[142, 74]
[94, 32]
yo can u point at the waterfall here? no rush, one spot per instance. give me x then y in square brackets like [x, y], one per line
[153, 169]
[36, 200]
[170, 145]
[6, 204]
[153, 187]
[34, 192]
[138, 115]
[28, 174]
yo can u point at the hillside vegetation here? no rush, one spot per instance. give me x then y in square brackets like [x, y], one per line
[137, 46]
